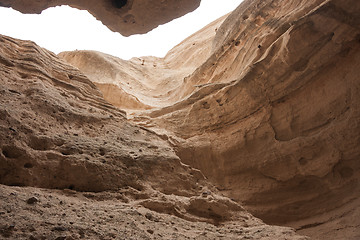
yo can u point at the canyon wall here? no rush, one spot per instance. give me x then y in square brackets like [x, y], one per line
[73, 167]
[271, 115]
[261, 106]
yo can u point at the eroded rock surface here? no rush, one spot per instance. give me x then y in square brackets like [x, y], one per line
[125, 16]
[270, 113]
[67, 214]
[116, 179]
[264, 103]
[145, 82]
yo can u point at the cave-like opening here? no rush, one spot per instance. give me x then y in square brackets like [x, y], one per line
[119, 3]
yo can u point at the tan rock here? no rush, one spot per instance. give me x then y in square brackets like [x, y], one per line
[57, 132]
[271, 113]
[146, 82]
[263, 102]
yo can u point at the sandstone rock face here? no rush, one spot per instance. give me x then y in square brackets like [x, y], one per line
[146, 82]
[271, 113]
[264, 103]
[116, 179]
[125, 16]
[58, 132]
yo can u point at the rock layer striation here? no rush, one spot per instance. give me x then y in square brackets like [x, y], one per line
[261, 106]
[270, 112]
[72, 166]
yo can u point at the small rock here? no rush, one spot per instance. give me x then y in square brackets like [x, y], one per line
[32, 229]
[206, 193]
[150, 231]
[149, 216]
[82, 233]
[60, 238]
[59, 228]
[32, 200]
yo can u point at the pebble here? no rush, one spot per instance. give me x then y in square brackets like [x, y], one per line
[149, 216]
[32, 200]
[205, 194]
[59, 229]
[61, 238]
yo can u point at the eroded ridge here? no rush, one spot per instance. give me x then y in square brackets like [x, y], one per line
[269, 110]
[73, 167]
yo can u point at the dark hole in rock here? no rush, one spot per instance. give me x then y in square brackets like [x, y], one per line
[69, 150]
[12, 152]
[206, 105]
[119, 3]
[102, 151]
[346, 172]
[66, 153]
[5, 153]
[23, 75]
[14, 91]
[28, 165]
[303, 161]
[40, 143]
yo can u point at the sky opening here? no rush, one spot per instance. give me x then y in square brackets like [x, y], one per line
[66, 29]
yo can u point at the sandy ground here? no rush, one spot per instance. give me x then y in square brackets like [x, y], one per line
[33, 213]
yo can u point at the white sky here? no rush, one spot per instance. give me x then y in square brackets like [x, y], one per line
[65, 29]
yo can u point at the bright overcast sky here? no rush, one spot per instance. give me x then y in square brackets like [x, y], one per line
[65, 29]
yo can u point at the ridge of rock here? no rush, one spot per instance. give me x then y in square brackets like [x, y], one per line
[261, 106]
[271, 115]
[72, 166]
